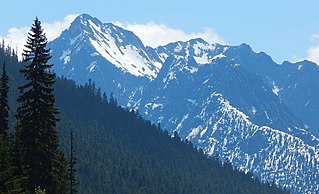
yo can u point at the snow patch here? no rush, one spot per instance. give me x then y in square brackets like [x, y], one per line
[179, 126]
[219, 56]
[92, 66]
[193, 132]
[128, 58]
[275, 89]
[163, 56]
[95, 54]
[65, 56]
[299, 67]
[253, 110]
[204, 59]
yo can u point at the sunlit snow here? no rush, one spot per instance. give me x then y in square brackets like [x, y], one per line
[128, 57]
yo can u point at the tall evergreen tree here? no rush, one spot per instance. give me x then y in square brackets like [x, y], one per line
[37, 117]
[4, 107]
[72, 168]
[4, 142]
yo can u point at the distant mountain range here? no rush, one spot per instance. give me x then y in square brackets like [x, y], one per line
[227, 100]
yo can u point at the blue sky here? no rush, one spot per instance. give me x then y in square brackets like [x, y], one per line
[284, 29]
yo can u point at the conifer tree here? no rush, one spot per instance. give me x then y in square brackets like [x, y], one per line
[72, 169]
[9, 181]
[4, 143]
[4, 107]
[37, 117]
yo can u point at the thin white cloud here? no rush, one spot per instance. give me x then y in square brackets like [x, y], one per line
[16, 37]
[313, 52]
[53, 30]
[153, 34]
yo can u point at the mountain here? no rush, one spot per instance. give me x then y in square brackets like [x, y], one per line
[116, 152]
[227, 110]
[227, 100]
[114, 57]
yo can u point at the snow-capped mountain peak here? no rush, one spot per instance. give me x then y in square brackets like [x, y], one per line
[120, 47]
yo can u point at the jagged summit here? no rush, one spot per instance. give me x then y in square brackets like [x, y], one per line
[83, 18]
[122, 48]
[198, 49]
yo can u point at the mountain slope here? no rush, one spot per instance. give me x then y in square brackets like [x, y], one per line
[228, 100]
[114, 57]
[108, 42]
[294, 83]
[206, 117]
[117, 154]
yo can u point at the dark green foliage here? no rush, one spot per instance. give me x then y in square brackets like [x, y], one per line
[4, 107]
[9, 181]
[4, 164]
[72, 167]
[4, 141]
[36, 118]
